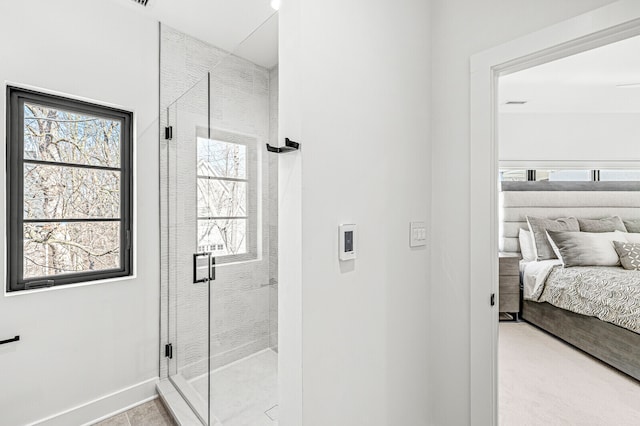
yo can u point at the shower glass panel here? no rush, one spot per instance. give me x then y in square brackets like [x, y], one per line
[188, 286]
[239, 220]
[219, 229]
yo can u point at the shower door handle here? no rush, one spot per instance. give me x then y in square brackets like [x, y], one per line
[204, 267]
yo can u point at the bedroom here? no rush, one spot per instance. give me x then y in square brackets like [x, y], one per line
[562, 278]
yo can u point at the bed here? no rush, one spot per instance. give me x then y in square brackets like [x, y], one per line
[594, 308]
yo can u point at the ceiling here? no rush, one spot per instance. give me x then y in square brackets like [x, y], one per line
[582, 83]
[223, 23]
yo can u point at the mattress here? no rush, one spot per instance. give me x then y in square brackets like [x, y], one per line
[611, 294]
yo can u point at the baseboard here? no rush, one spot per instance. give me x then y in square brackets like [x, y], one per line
[103, 407]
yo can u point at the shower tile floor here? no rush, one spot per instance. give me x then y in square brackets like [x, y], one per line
[245, 392]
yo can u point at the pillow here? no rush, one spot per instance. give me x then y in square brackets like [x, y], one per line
[608, 224]
[586, 248]
[539, 226]
[632, 225]
[527, 249]
[629, 255]
[630, 237]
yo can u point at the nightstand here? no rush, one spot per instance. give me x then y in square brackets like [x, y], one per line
[509, 282]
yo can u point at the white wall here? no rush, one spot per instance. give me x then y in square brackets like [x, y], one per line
[568, 136]
[79, 344]
[362, 117]
[460, 29]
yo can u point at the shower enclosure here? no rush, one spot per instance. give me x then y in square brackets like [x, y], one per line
[219, 231]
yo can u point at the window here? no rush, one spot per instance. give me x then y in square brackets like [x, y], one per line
[564, 175]
[619, 175]
[226, 197]
[69, 184]
[546, 175]
[513, 175]
[570, 175]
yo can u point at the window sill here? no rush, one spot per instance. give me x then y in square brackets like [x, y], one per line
[67, 286]
[239, 262]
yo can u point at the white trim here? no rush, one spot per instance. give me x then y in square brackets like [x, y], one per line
[608, 24]
[67, 95]
[290, 217]
[67, 286]
[103, 407]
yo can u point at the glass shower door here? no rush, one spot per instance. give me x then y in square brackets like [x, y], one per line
[188, 268]
[219, 232]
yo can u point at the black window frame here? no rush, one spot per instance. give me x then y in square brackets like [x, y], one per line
[16, 97]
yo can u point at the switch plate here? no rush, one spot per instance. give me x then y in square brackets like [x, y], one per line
[417, 234]
[347, 237]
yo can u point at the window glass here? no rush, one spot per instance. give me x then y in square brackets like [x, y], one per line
[222, 159]
[60, 192]
[60, 248]
[222, 197]
[513, 175]
[222, 236]
[53, 134]
[563, 175]
[619, 175]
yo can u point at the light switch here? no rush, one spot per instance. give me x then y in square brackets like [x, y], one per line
[417, 234]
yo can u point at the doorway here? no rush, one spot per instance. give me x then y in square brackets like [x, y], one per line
[567, 139]
[607, 25]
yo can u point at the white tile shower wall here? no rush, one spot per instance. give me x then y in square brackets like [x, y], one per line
[241, 295]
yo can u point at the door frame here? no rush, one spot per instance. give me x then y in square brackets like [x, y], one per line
[611, 23]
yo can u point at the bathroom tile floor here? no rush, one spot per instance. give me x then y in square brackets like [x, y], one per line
[243, 393]
[151, 413]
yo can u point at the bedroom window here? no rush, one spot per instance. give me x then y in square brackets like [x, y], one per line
[513, 175]
[563, 175]
[620, 175]
[226, 199]
[69, 185]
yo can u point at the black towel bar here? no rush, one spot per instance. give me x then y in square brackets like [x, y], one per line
[15, 339]
[289, 146]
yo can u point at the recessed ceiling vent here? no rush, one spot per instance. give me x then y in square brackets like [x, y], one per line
[141, 2]
[515, 102]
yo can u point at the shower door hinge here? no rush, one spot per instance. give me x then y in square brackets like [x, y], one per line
[168, 133]
[168, 351]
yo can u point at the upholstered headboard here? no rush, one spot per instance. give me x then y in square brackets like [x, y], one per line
[585, 200]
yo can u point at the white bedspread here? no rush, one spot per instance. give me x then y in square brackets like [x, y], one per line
[534, 276]
[611, 294]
